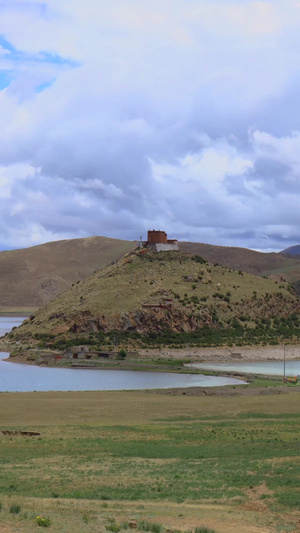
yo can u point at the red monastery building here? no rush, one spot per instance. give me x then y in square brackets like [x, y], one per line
[160, 240]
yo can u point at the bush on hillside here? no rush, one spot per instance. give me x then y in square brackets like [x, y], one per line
[122, 354]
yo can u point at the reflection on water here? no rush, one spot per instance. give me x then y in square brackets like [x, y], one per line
[16, 377]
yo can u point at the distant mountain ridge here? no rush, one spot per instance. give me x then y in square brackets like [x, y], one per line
[273, 265]
[292, 250]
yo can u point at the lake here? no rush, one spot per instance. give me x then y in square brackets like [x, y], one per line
[7, 323]
[15, 377]
[271, 368]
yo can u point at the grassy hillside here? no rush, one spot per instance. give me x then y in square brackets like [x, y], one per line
[30, 277]
[204, 297]
[273, 265]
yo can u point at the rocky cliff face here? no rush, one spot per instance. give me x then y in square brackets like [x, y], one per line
[175, 318]
[142, 321]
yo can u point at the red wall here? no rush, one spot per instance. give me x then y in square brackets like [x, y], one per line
[157, 237]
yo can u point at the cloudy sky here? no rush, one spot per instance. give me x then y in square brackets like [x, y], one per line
[119, 116]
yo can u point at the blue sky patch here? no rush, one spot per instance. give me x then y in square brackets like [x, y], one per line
[5, 80]
[41, 57]
[47, 57]
[6, 45]
[44, 86]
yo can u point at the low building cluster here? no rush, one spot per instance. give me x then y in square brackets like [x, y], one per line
[83, 352]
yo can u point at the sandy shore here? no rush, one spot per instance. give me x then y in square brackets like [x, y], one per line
[226, 354]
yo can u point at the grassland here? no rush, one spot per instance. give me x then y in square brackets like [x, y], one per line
[174, 462]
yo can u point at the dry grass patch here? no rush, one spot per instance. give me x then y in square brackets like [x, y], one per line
[222, 454]
[90, 517]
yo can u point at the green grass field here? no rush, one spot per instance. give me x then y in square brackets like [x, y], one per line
[125, 455]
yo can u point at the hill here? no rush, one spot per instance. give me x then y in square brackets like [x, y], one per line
[292, 250]
[31, 277]
[276, 266]
[157, 294]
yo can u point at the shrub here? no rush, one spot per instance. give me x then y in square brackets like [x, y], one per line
[114, 528]
[15, 509]
[85, 518]
[122, 354]
[43, 522]
[199, 259]
[149, 526]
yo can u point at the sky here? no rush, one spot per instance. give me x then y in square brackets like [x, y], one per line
[121, 116]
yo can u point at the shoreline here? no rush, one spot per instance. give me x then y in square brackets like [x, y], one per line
[225, 354]
[168, 356]
[161, 361]
[176, 361]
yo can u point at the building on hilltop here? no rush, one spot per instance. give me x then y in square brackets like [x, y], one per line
[157, 237]
[159, 240]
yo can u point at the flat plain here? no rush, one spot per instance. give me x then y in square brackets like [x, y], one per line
[172, 461]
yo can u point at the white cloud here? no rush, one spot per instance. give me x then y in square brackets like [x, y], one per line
[122, 116]
[11, 174]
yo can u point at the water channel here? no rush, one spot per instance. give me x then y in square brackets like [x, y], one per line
[15, 377]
